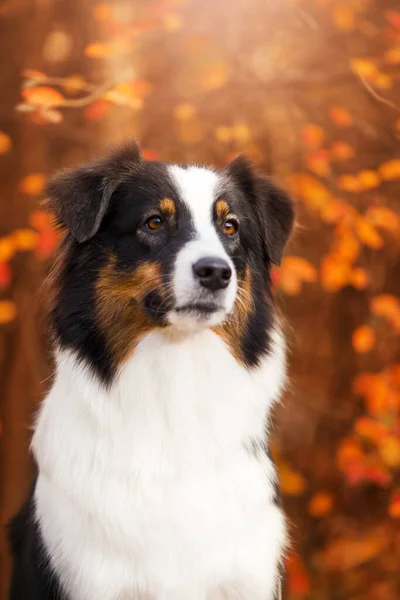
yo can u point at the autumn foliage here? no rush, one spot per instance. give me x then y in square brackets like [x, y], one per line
[309, 90]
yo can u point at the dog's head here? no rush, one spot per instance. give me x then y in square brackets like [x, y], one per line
[154, 245]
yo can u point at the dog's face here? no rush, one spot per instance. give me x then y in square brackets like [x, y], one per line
[155, 245]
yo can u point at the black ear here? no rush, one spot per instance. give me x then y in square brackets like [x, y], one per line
[272, 206]
[80, 197]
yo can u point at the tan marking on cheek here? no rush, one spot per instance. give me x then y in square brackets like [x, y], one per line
[222, 209]
[233, 330]
[119, 306]
[167, 205]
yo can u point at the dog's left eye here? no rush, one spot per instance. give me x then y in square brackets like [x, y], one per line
[155, 222]
[230, 227]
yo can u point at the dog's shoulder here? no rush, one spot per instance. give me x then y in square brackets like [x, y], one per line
[32, 577]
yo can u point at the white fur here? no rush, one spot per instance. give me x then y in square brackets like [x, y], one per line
[198, 188]
[146, 490]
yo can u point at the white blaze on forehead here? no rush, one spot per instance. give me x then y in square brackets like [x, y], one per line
[198, 188]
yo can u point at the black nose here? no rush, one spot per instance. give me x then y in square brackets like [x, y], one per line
[213, 273]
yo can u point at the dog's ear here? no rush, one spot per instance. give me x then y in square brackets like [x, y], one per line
[80, 197]
[272, 206]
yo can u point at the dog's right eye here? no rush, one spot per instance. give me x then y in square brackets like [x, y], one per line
[155, 222]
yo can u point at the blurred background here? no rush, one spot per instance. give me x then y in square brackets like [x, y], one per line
[309, 89]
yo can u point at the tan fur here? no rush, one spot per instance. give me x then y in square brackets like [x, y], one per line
[222, 209]
[168, 207]
[119, 308]
[233, 330]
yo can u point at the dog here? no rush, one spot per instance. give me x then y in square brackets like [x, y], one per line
[154, 479]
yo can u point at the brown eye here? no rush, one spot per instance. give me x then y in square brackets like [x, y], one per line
[230, 227]
[154, 223]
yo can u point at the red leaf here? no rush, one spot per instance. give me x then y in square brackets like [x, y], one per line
[393, 16]
[5, 274]
[150, 154]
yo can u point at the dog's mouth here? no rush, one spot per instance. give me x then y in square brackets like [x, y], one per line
[195, 315]
[199, 308]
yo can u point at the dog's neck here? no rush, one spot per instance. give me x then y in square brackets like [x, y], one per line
[186, 390]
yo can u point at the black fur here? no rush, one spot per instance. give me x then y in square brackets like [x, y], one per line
[32, 577]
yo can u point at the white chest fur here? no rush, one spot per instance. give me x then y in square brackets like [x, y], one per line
[146, 490]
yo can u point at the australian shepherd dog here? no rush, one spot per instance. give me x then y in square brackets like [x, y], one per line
[154, 479]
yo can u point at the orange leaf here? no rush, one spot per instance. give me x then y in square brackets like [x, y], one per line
[383, 81]
[313, 136]
[359, 279]
[97, 110]
[74, 83]
[40, 219]
[350, 183]
[303, 269]
[363, 383]
[8, 311]
[43, 96]
[334, 211]
[103, 11]
[33, 184]
[223, 133]
[389, 450]
[25, 239]
[363, 339]
[349, 552]
[33, 74]
[293, 272]
[217, 75]
[291, 482]
[340, 116]
[349, 451]
[394, 506]
[390, 169]
[395, 374]
[364, 67]
[386, 305]
[141, 87]
[344, 18]
[123, 94]
[342, 151]
[347, 247]
[309, 189]
[7, 248]
[370, 429]
[379, 397]
[318, 162]
[5, 143]
[334, 272]
[367, 233]
[320, 505]
[383, 217]
[392, 56]
[369, 179]
[241, 132]
[184, 112]
[99, 50]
